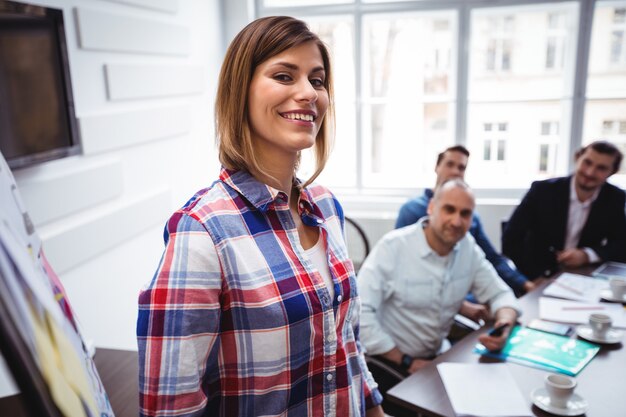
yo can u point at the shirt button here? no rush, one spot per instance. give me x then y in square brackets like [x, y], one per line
[329, 377]
[330, 338]
[339, 298]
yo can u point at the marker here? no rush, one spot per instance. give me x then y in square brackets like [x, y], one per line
[497, 331]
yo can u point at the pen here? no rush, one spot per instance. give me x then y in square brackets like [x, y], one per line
[583, 308]
[497, 331]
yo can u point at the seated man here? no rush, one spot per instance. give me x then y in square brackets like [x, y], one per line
[416, 278]
[571, 221]
[451, 163]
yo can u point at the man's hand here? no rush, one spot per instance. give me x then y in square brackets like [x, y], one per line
[572, 258]
[417, 364]
[375, 412]
[473, 311]
[495, 343]
[504, 315]
[529, 286]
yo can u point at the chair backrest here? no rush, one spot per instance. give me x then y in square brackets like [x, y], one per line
[358, 243]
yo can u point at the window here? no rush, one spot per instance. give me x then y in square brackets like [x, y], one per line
[408, 94]
[548, 146]
[618, 41]
[498, 31]
[405, 90]
[494, 145]
[517, 101]
[556, 40]
[605, 107]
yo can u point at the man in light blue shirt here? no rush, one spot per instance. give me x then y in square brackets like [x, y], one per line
[451, 163]
[415, 279]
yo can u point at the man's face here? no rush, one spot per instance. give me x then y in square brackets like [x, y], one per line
[452, 165]
[592, 170]
[450, 215]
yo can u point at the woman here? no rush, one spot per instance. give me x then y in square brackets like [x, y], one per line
[253, 309]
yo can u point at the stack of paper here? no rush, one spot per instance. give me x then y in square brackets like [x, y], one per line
[576, 287]
[566, 311]
[483, 390]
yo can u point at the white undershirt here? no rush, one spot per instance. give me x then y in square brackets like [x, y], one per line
[317, 255]
[576, 220]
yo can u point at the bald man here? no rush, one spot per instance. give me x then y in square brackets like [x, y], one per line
[415, 279]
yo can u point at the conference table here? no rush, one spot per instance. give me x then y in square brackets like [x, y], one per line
[602, 382]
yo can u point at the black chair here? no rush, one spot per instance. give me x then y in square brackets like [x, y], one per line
[359, 245]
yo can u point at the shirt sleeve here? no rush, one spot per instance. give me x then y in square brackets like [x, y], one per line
[376, 285]
[488, 287]
[592, 255]
[178, 322]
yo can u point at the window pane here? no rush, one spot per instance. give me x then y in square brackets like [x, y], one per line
[520, 82]
[512, 162]
[607, 55]
[487, 150]
[408, 95]
[501, 149]
[605, 108]
[338, 34]
[509, 61]
[543, 158]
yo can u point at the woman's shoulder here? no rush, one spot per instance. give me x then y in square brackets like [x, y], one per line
[215, 197]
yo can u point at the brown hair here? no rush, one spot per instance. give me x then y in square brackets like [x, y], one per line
[457, 148]
[605, 147]
[258, 41]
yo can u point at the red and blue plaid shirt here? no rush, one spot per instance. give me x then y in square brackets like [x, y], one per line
[237, 321]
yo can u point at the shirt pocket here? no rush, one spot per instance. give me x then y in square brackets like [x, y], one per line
[416, 292]
[456, 290]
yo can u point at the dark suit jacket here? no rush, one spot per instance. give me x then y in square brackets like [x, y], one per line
[536, 230]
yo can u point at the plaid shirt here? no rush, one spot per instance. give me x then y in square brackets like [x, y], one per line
[238, 322]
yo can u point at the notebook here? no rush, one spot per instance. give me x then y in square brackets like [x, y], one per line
[610, 269]
[544, 350]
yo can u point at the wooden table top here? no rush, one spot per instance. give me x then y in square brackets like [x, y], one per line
[118, 370]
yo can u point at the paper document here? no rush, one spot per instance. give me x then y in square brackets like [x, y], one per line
[577, 287]
[566, 311]
[483, 390]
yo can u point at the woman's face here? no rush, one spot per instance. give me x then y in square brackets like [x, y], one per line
[287, 102]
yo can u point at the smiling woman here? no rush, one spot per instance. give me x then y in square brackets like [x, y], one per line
[253, 309]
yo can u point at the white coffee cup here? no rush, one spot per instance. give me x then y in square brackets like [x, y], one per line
[560, 389]
[618, 287]
[600, 324]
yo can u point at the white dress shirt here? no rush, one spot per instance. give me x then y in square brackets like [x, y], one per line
[576, 219]
[410, 294]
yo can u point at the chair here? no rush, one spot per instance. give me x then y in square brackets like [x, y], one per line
[358, 243]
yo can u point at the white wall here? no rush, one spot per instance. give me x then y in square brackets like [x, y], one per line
[144, 75]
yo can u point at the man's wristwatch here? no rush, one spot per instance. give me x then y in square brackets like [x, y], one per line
[406, 361]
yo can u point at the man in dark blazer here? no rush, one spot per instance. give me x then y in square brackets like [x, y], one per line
[570, 221]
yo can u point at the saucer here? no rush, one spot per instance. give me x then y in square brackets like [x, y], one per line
[608, 296]
[576, 406]
[612, 336]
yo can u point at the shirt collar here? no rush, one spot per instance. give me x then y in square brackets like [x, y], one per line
[573, 197]
[261, 195]
[423, 248]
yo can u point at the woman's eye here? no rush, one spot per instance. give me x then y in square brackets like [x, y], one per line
[318, 83]
[282, 77]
